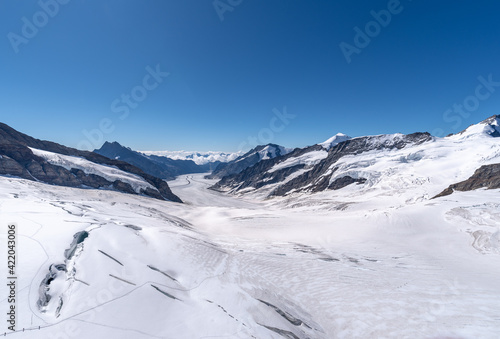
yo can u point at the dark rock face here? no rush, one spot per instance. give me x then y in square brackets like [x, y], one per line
[487, 176]
[242, 162]
[161, 167]
[345, 181]
[90, 180]
[9, 166]
[315, 179]
[16, 159]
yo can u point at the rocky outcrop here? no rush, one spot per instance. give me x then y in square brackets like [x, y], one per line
[17, 159]
[487, 176]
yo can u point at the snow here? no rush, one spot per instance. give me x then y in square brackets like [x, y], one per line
[336, 139]
[420, 170]
[308, 159]
[481, 130]
[200, 158]
[109, 173]
[199, 270]
[269, 152]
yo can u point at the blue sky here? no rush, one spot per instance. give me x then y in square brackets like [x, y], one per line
[79, 72]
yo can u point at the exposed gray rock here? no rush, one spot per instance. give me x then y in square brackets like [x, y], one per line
[345, 181]
[487, 176]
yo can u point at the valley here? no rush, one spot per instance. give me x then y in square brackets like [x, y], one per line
[223, 266]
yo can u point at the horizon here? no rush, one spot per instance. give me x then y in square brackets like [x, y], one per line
[228, 76]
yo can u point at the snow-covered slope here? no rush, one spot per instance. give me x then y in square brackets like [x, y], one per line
[308, 159]
[110, 173]
[485, 129]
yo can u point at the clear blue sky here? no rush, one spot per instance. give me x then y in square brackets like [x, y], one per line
[226, 76]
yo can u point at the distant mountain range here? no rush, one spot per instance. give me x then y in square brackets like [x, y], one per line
[159, 166]
[29, 158]
[200, 158]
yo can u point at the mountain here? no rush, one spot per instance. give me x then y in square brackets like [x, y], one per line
[336, 139]
[29, 158]
[312, 168]
[200, 158]
[388, 164]
[262, 152]
[487, 128]
[158, 166]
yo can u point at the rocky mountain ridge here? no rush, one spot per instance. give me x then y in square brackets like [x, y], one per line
[17, 159]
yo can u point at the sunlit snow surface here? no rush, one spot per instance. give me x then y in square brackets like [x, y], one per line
[381, 260]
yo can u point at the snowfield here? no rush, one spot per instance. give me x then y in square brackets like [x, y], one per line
[219, 266]
[308, 159]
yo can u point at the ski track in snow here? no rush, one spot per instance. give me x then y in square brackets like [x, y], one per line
[242, 268]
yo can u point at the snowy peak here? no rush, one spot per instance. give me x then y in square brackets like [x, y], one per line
[336, 139]
[486, 128]
[270, 151]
